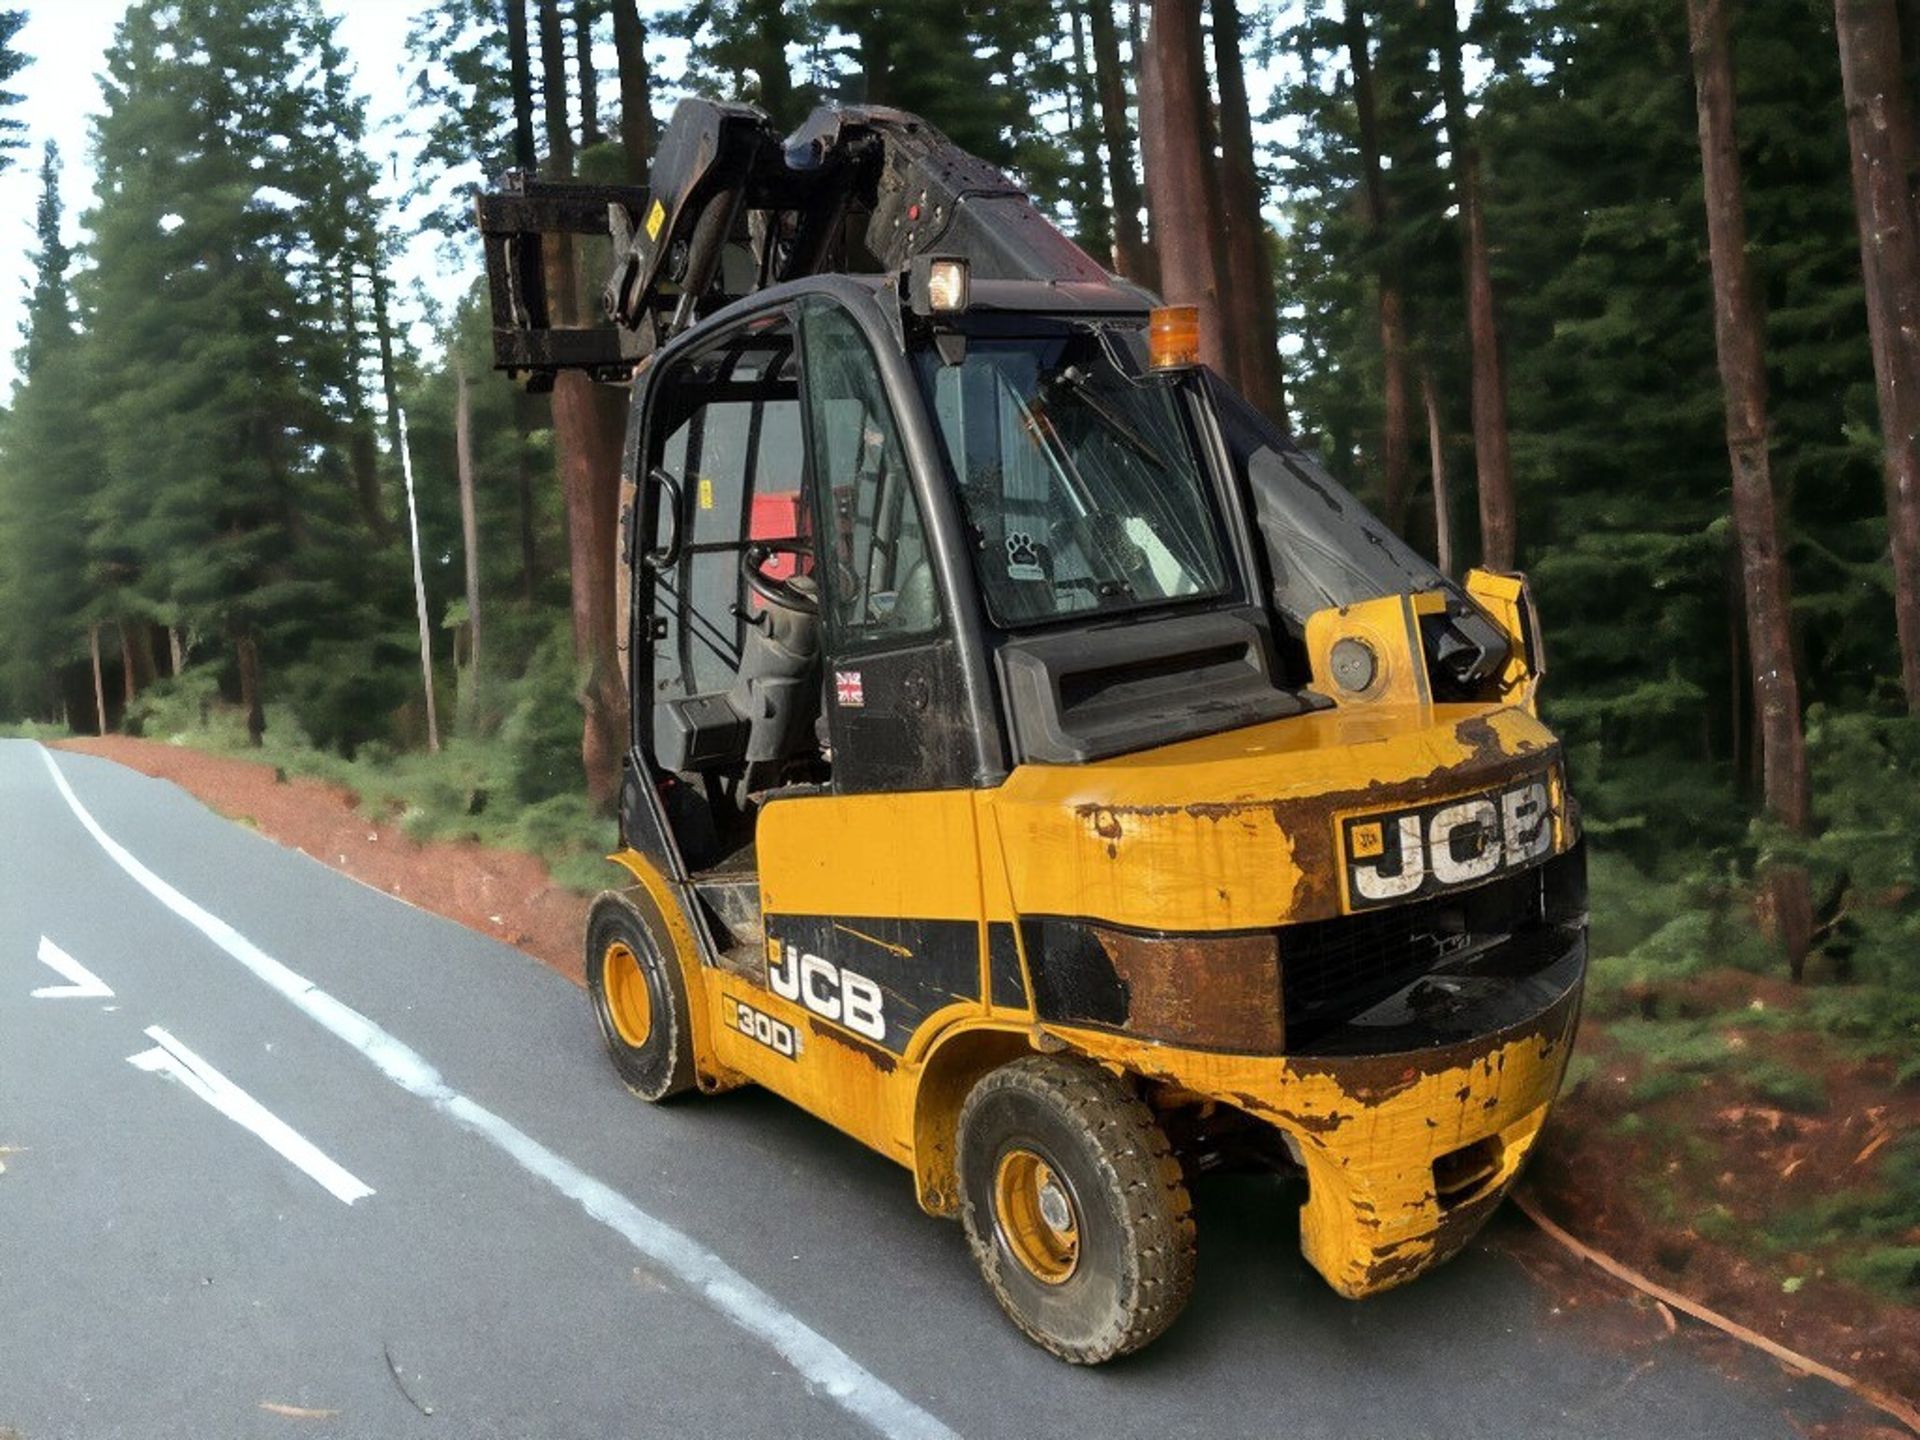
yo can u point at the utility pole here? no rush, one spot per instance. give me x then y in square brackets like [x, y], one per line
[419, 589]
[469, 528]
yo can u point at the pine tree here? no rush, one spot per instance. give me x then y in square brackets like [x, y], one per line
[739, 51]
[228, 180]
[1248, 260]
[1396, 420]
[1135, 258]
[12, 62]
[1880, 129]
[637, 128]
[464, 92]
[48, 469]
[1492, 458]
[1183, 191]
[1755, 514]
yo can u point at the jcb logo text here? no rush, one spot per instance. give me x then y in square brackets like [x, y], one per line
[827, 989]
[1401, 855]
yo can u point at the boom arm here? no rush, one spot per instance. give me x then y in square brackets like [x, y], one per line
[732, 208]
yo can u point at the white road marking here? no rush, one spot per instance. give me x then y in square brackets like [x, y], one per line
[175, 1061]
[85, 984]
[817, 1359]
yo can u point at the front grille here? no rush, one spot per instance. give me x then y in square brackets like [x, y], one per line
[1333, 970]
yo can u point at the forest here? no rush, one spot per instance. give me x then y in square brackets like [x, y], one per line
[1624, 294]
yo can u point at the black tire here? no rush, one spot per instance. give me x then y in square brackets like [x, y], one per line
[1132, 1262]
[655, 1061]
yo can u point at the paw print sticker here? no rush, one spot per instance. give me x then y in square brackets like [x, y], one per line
[1023, 557]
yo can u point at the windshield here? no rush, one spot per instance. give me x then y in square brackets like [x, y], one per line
[1080, 483]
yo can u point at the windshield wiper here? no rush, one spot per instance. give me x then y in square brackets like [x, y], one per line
[1075, 379]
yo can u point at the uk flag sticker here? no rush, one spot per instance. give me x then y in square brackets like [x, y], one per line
[848, 689]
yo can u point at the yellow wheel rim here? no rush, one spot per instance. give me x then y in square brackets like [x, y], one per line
[629, 1001]
[1036, 1216]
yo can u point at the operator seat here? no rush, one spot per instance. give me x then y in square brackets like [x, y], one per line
[767, 714]
[777, 689]
[916, 608]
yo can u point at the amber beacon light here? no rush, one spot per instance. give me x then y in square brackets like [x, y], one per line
[1173, 336]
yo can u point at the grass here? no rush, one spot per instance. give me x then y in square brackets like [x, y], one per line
[1872, 1227]
[1660, 1009]
[474, 789]
[32, 730]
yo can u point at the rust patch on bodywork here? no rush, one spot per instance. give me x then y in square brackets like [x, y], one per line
[1222, 992]
[1400, 1261]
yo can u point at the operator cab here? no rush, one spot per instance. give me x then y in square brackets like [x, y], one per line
[890, 554]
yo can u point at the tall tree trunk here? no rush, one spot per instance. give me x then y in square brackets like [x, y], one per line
[1493, 464]
[469, 530]
[1437, 463]
[553, 90]
[129, 678]
[589, 77]
[590, 418]
[363, 451]
[526, 153]
[1880, 134]
[176, 649]
[1397, 422]
[1092, 221]
[1132, 254]
[772, 27]
[1249, 258]
[876, 64]
[246, 651]
[1182, 189]
[636, 89]
[136, 658]
[1737, 335]
[99, 681]
[589, 424]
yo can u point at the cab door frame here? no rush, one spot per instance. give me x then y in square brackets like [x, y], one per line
[873, 306]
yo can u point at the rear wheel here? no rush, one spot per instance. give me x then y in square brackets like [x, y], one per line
[1075, 1208]
[640, 1001]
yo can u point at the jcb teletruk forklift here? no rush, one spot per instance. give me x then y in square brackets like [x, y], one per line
[1041, 769]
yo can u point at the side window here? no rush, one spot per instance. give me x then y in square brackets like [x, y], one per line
[732, 443]
[879, 574]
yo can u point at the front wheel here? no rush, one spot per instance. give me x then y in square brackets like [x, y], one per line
[1075, 1208]
[640, 1001]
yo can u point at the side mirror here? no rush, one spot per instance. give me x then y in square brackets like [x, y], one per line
[1509, 600]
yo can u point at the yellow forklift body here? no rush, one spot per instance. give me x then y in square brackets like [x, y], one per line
[1405, 1153]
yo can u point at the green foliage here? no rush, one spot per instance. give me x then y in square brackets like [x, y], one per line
[1892, 1270]
[226, 384]
[177, 707]
[344, 693]
[542, 731]
[1873, 1224]
[49, 465]
[1866, 858]
[12, 62]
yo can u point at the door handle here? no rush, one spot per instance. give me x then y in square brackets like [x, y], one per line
[667, 554]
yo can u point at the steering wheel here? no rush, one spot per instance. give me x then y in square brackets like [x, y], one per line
[797, 592]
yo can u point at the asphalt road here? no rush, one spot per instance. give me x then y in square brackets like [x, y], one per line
[189, 1239]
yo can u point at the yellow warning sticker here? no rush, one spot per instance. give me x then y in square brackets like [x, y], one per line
[706, 493]
[1365, 841]
[656, 217]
